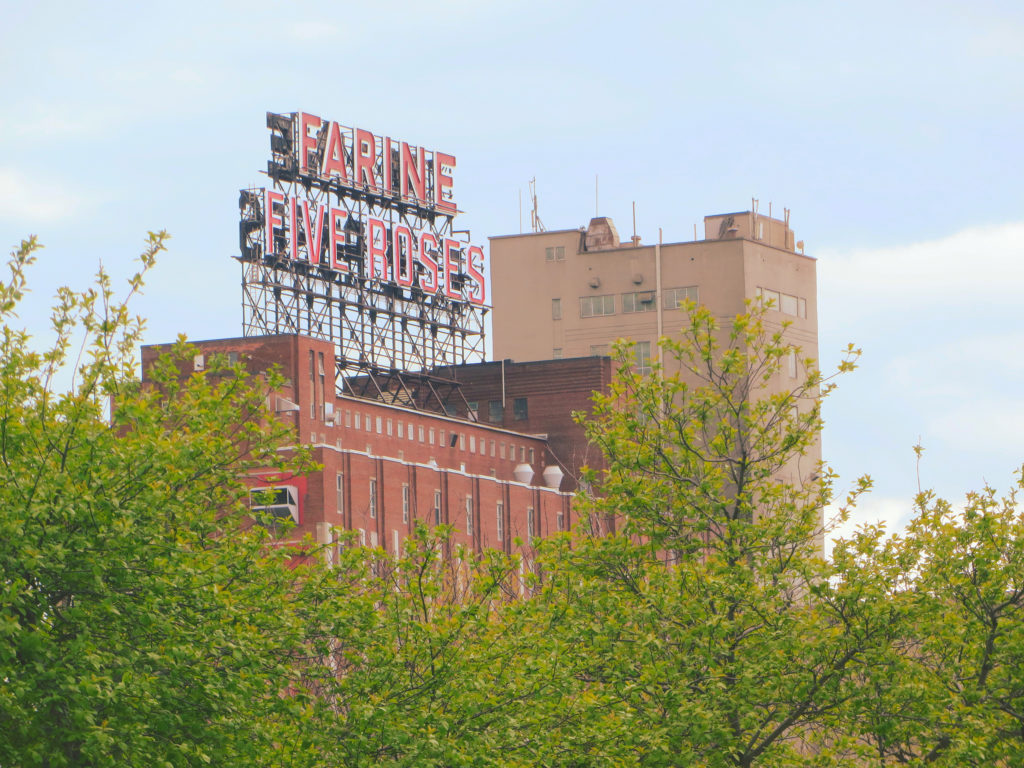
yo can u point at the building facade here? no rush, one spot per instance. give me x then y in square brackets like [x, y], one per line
[574, 292]
[571, 293]
[387, 467]
[502, 464]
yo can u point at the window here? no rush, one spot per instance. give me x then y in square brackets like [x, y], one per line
[373, 498]
[674, 298]
[770, 298]
[593, 306]
[522, 453]
[380, 425]
[437, 507]
[405, 503]
[483, 447]
[367, 422]
[556, 353]
[554, 253]
[560, 520]
[433, 434]
[638, 302]
[501, 449]
[278, 502]
[472, 443]
[529, 525]
[556, 309]
[420, 430]
[791, 363]
[474, 409]
[520, 411]
[232, 358]
[788, 304]
[643, 358]
[501, 522]
[394, 542]
[312, 381]
[389, 427]
[794, 306]
[598, 350]
[531, 456]
[492, 449]
[441, 439]
[462, 441]
[495, 411]
[339, 487]
[358, 422]
[469, 515]
[362, 537]
[323, 386]
[401, 430]
[348, 418]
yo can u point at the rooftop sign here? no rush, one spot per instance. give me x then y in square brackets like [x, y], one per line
[394, 236]
[353, 240]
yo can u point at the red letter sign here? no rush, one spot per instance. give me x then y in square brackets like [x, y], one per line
[475, 255]
[365, 152]
[444, 198]
[274, 220]
[376, 245]
[338, 216]
[307, 142]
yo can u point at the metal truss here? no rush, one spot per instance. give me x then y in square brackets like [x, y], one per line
[388, 338]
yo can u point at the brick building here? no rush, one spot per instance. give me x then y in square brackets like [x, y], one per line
[385, 467]
[503, 466]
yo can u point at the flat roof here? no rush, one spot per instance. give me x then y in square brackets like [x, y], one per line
[545, 232]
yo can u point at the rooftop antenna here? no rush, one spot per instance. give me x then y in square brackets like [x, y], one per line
[753, 204]
[535, 222]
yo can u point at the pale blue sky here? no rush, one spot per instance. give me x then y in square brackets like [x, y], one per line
[891, 130]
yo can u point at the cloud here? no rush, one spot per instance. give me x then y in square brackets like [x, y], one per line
[28, 199]
[978, 264]
[984, 425]
[309, 31]
[894, 512]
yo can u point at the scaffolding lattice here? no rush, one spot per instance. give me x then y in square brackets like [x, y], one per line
[388, 338]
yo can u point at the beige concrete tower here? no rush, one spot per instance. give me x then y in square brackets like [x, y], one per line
[572, 293]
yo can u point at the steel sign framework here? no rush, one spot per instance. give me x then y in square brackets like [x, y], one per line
[353, 242]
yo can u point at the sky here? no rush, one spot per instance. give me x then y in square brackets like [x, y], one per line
[891, 131]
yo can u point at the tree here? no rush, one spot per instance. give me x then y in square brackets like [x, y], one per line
[142, 620]
[946, 688]
[706, 629]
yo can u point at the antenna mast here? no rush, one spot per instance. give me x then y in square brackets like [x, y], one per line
[535, 222]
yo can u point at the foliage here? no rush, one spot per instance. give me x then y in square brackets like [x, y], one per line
[707, 627]
[947, 688]
[691, 620]
[140, 624]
